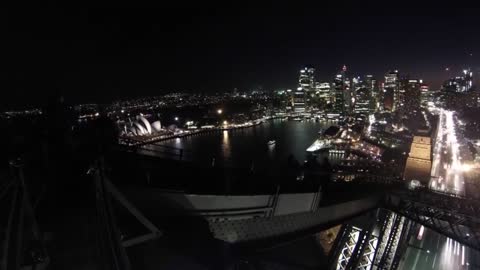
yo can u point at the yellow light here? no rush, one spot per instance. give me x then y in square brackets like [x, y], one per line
[225, 123]
[219, 111]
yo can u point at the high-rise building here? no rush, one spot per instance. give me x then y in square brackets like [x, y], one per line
[324, 92]
[299, 100]
[362, 95]
[306, 79]
[371, 84]
[340, 86]
[349, 94]
[467, 80]
[459, 84]
[392, 96]
[362, 101]
[412, 94]
[425, 95]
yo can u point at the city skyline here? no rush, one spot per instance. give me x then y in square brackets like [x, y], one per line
[97, 56]
[255, 137]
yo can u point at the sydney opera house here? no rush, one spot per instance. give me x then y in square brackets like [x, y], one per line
[141, 126]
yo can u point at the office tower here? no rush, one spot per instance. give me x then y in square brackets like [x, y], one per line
[424, 95]
[391, 92]
[340, 86]
[375, 96]
[299, 100]
[306, 79]
[412, 94]
[323, 90]
[363, 96]
[459, 84]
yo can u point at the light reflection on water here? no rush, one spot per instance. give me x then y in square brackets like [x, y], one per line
[250, 145]
[226, 144]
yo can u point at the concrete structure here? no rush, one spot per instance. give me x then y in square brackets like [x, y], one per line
[141, 126]
[419, 162]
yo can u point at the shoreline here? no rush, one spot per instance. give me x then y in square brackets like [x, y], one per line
[133, 142]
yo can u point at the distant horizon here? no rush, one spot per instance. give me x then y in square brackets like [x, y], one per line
[100, 55]
[105, 100]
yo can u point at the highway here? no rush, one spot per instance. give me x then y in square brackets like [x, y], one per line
[430, 250]
[447, 168]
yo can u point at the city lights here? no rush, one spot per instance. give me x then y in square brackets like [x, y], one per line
[211, 138]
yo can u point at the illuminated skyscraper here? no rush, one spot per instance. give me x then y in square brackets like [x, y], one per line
[412, 94]
[425, 95]
[299, 100]
[340, 86]
[349, 93]
[372, 86]
[459, 84]
[362, 101]
[324, 92]
[363, 95]
[391, 92]
[468, 81]
[306, 79]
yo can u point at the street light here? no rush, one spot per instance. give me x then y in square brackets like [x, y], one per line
[219, 111]
[176, 118]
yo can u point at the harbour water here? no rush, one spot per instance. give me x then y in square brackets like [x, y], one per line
[250, 146]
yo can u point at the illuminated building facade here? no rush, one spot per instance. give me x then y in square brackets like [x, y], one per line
[393, 98]
[340, 85]
[419, 162]
[299, 100]
[459, 84]
[412, 94]
[323, 91]
[306, 79]
[425, 95]
[362, 101]
[370, 83]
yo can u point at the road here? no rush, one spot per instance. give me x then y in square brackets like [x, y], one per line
[430, 250]
[447, 168]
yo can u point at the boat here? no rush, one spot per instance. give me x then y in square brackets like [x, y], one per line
[271, 142]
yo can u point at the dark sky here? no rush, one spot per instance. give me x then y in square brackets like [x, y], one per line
[100, 55]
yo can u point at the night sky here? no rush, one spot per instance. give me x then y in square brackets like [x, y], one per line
[103, 55]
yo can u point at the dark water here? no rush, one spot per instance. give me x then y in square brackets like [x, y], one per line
[244, 147]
